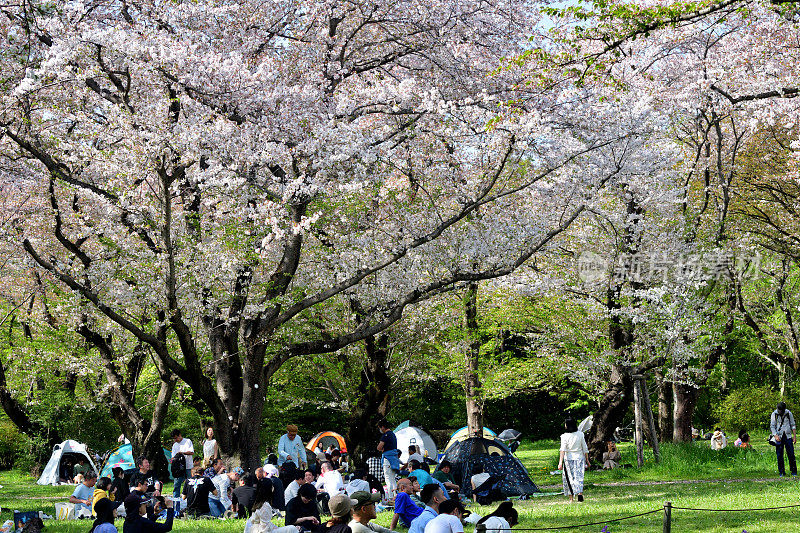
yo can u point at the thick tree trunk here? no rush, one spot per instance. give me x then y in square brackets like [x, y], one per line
[664, 408]
[472, 385]
[246, 439]
[685, 398]
[612, 409]
[375, 398]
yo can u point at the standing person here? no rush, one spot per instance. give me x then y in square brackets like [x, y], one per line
[210, 448]
[781, 424]
[181, 447]
[572, 453]
[290, 448]
[391, 457]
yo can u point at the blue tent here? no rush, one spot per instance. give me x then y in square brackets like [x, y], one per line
[122, 456]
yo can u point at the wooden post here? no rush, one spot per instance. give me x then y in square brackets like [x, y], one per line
[667, 517]
[651, 423]
[637, 416]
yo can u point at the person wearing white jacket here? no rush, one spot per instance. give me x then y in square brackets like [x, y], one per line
[260, 520]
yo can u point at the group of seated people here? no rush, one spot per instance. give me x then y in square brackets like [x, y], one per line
[71, 470]
[424, 503]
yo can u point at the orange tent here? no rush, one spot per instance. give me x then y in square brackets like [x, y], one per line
[325, 439]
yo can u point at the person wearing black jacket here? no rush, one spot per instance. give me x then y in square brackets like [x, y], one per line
[136, 522]
[119, 486]
[302, 509]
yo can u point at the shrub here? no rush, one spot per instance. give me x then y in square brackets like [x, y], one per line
[10, 443]
[747, 408]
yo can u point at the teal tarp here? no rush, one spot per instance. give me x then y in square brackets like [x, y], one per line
[122, 456]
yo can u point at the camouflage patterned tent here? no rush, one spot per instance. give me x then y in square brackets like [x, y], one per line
[496, 459]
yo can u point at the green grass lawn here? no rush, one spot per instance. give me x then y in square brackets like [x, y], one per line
[606, 499]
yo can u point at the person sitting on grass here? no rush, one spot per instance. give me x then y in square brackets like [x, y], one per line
[119, 485]
[196, 491]
[443, 476]
[341, 507]
[612, 457]
[82, 495]
[137, 522]
[79, 470]
[302, 510]
[448, 519]
[216, 468]
[260, 520]
[718, 440]
[221, 501]
[148, 476]
[405, 510]
[502, 519]
[416, 490]
[421, 474]
[358, 483]
[432, 495]
[102, 490]
[243, 496]
[743, 441]
[294, 486]
[483, 486]
[364, 511]
[106, 511]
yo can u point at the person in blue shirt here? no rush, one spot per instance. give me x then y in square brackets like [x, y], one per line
[431, 495]
[391, 456]
[422, 476]
[290, 448]
[405, 510]
[82, 495]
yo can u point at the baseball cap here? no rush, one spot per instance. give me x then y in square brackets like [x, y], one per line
[363, 498]
[133, 501]
[341, 505]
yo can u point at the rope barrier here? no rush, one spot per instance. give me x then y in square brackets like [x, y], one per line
[735, 510]
[588, 524]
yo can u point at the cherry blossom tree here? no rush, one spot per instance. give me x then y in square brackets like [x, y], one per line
[222, 178]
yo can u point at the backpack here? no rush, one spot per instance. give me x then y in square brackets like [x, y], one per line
[177, 466]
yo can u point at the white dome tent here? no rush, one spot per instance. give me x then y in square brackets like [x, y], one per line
[413, 435]
[68, 447]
